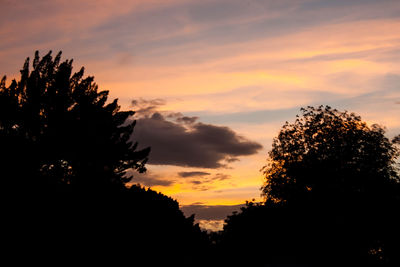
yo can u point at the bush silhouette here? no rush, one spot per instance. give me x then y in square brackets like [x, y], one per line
[331, 190]
[65, 151]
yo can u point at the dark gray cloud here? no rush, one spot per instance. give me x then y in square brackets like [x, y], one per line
[149, 179]
[187, 120]
[220, 177]
[206, 212]
[192, 174]
[145, 107]
[180, 118]
[195, 144]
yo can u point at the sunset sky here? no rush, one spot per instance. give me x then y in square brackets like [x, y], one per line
[213, 81]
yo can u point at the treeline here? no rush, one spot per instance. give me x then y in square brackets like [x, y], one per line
[331, 186]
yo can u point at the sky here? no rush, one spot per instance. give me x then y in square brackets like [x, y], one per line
[213, 81]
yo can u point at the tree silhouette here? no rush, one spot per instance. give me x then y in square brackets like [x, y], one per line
[326, 156]
[65, 151]
[58, 126]
[331, 195]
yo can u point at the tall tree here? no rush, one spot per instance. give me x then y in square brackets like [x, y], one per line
[64, 153]
[57, 128]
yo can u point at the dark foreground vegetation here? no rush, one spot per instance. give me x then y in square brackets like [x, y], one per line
[332, 190]
[65, 151]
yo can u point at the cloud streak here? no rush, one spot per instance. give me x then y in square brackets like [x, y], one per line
[208, 182]
[193, 174]
[149, 179]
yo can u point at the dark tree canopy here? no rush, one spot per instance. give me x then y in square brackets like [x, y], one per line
[64, 154]
[329, 156]
[57, 128]
[331, 192]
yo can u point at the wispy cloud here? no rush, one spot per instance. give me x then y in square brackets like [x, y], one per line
[149, 179]
[193, 174]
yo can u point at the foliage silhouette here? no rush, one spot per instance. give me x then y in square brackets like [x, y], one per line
[331, 195]
[328, 155]
[65, 151]
[58, 126]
